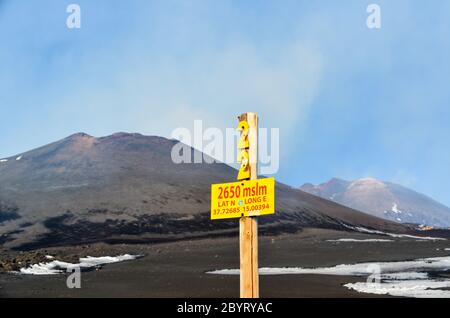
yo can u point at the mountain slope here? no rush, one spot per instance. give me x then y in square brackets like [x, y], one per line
[125, 188]
[383, 199]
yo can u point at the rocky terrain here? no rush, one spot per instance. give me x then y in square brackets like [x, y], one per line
[121, 194]
[124, 188]
[383, 199]
[179, 269]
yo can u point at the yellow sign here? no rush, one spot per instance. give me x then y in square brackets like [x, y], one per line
[243, 198]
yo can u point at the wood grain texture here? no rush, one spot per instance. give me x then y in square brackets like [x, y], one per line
[248, 226]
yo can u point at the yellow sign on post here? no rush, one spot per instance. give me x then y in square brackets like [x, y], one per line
[243, 198]
[246, 199]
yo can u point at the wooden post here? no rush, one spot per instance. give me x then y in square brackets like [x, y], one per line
[248, 226]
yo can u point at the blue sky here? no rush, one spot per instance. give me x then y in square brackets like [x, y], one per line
[349, 101]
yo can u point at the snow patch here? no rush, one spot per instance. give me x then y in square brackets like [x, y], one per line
[364, 230]
[3, 160]
[403, 278]
[18, 158]
[363, 240]
[58, 267]
[406, 275]
[395, 209]
[419, 288]
[405, 268]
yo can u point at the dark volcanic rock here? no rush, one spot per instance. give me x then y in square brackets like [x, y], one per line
[125, 188]
[8, 212]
